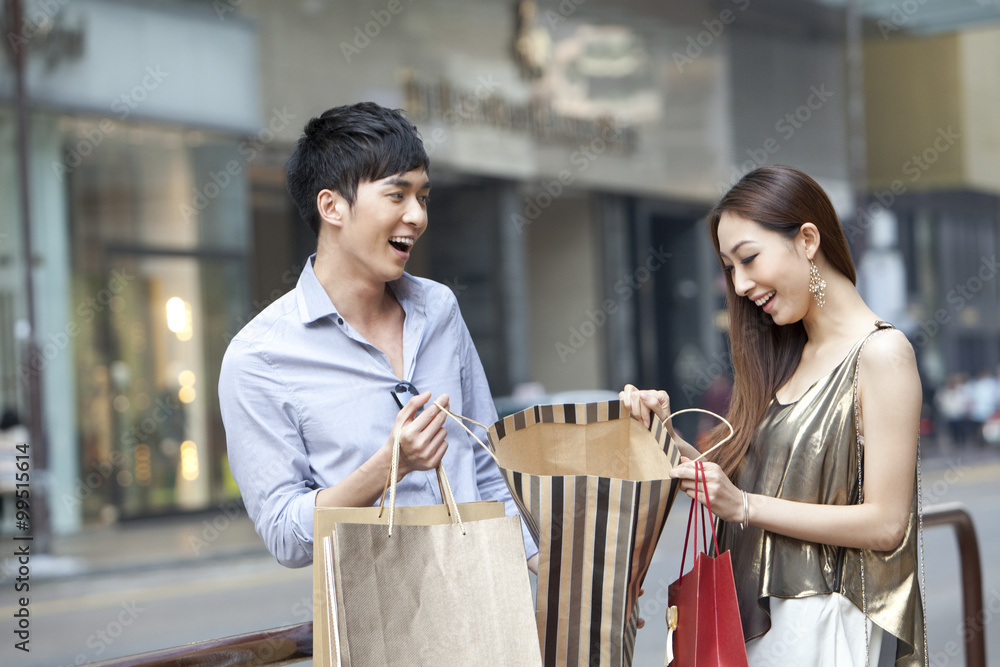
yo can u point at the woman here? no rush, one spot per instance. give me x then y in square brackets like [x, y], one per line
[812, 556]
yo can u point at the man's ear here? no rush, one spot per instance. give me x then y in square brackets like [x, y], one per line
[809, 237]
[333, 208]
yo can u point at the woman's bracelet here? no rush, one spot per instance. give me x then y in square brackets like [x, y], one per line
[746, 511]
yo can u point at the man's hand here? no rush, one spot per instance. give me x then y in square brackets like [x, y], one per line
[422, 437]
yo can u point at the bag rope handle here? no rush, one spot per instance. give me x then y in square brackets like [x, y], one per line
[707, 412]
[459, 419]
[693, 514]
[447, 495]
[687, 536]
[708, 504]
[385, 488]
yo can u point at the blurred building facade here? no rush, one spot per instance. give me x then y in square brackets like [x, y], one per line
[934, 164]
[575, 149]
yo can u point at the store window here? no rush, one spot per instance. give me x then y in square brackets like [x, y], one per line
[159, 220]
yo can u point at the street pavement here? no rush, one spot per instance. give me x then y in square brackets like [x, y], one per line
[136, 587]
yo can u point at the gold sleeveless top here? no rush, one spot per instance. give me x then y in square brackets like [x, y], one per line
[807, 452]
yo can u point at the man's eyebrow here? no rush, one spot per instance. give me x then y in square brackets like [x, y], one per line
[404, 183]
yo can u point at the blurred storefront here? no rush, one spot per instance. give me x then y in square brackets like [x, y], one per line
[575, 149]
[141, 243]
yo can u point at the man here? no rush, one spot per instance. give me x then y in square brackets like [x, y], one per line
[313, 388]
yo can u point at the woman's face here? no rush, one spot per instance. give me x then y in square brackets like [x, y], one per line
[767, 268]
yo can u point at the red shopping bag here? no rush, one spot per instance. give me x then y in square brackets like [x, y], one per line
[704, 617]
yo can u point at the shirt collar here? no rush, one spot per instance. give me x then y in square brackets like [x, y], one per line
[314, 303]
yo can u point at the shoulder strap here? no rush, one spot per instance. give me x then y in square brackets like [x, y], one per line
[879, 327]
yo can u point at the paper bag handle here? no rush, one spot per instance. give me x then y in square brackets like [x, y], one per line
[460, 419]
[699, 478]
[385, 489]
[707, 412]
[391, 482]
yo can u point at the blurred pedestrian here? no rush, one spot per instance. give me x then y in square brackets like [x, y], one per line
[991, 430]
[12, 434]
[816, 491]
[982, 394]
[950, 401]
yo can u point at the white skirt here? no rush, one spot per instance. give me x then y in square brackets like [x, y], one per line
[818, 631]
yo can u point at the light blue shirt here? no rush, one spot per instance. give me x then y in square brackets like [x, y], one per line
[306, 400]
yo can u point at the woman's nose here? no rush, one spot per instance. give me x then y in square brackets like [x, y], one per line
[741, 283]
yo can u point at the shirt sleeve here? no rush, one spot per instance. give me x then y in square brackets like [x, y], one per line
[477, 404]
[266, 453]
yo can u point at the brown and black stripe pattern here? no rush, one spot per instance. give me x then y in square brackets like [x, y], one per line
[596, 534]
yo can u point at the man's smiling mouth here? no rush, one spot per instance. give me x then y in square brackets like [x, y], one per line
[401, 243]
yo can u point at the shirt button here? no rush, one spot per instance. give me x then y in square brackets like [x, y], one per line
[340, 320]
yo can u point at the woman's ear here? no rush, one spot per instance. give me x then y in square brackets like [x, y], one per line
[809, 239]
[332, 207]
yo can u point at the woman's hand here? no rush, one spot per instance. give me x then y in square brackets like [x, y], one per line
[643, 402]
[725, 499]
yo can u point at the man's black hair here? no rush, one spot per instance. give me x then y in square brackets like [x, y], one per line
[346, 146]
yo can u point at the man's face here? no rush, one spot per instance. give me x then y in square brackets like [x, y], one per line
[387, 218]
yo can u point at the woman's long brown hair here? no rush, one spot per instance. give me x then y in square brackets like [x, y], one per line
[765, 355]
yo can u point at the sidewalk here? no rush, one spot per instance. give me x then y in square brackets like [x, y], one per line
[976, 463]
[227, 533]
[222, 534]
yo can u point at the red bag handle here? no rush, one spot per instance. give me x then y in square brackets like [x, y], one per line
[687, 535]
[708, 502]
[699, 467]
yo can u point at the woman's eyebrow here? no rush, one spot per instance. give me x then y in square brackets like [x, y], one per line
[739, 245]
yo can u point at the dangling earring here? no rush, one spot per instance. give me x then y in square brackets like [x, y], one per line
[817, 286]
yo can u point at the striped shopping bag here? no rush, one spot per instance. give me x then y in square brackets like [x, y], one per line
[592, 485]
